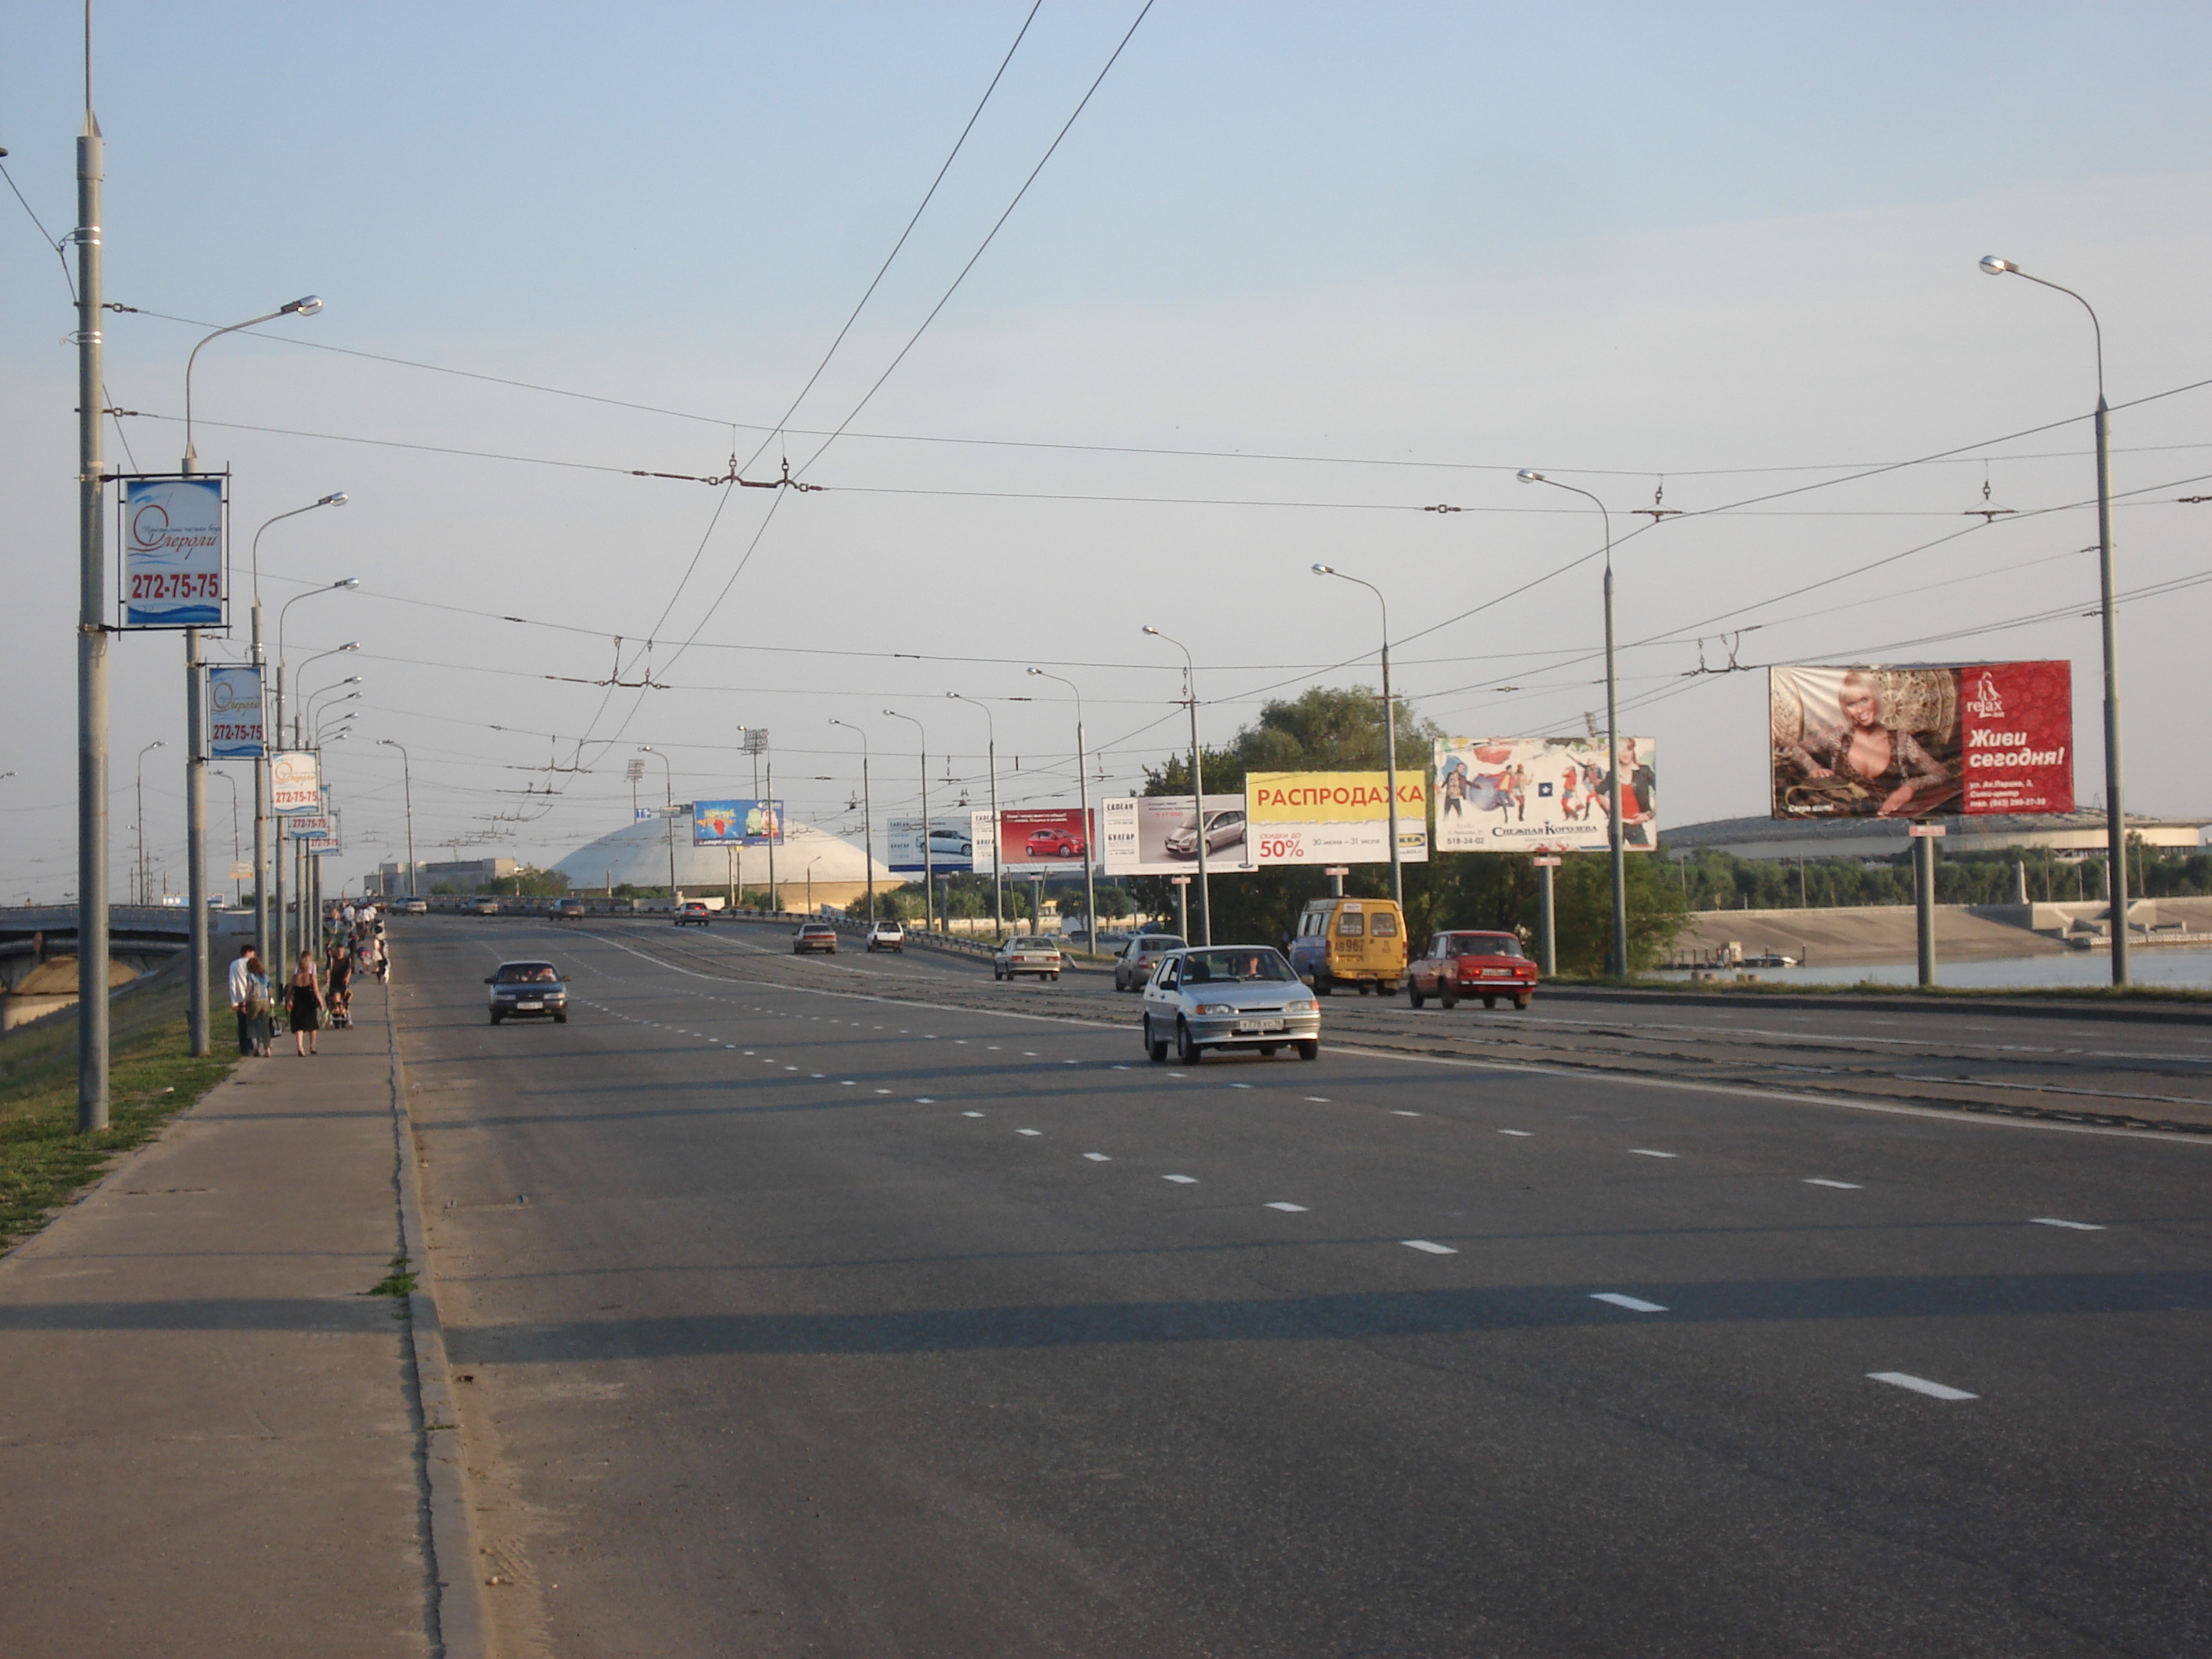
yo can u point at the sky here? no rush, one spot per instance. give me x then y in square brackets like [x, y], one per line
[1293, 274]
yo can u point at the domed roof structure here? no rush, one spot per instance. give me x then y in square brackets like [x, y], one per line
[636, 855]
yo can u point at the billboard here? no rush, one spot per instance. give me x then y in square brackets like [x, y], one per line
[1518, 794]
[294, 781]
[1157, 835]
[234, 712]
[736, 823]
[173, 553]
[1336, 817]
[1908, 742]
[951, 844]
[1037, 840]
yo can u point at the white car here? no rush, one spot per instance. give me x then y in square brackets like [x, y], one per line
[1026, 954]
[887, 936]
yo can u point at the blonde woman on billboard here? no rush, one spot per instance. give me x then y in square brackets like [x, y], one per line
[1863, 752]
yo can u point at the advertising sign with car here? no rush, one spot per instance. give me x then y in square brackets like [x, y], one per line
[234, 712]
[1336, 817]
[173, 553]
[737, 823]
[296, 782]
[1157, 835]
[1049, 840]
[1517, 794]
[951, 845]
[1963, 737]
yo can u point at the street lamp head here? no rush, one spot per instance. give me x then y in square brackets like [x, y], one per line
[159, 743]
[347, 582]
[1527, 477]
[1324, 571]
[388, 742]
[335, 498]
[305, 306]
[350, 645]
[1993, 266]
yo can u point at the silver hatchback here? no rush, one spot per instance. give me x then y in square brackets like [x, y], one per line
[1228, 996]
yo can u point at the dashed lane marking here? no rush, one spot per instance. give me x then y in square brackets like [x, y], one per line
[1399, 1111]
[1287, 1208]
[1646, 1151]
[1029, 1132]
[1840, 1186]
[1099, 1158]
[1633, 1303]
[964, 1114]
[1921, 1385]
[1429, 1245]
[1181, 1181]
[2074, 1226]
[1525, 1134]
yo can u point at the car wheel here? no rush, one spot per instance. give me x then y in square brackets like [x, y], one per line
[1267, 1051]
[1523, 1000]
[1413, 994]
[1055, 978]
[1155, 1051]
[1309, 1050]
[1447, 993]
[1323, 984]
[1366, 988]
[1188, 1053]
[1386, 990]
[561, 1018]
[1490, 1002]
[495, 1016]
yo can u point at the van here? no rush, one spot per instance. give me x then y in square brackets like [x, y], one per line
[1352, 942]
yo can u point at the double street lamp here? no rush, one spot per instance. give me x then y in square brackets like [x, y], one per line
[928, 863]
[2115, 824]
[1617, 957]
[669, 771]
[158, 743]
[867, 820]
[407, 783]
[1390, 730]
[998, 873]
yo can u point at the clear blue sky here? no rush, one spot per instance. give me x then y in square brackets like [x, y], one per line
[1612, 240]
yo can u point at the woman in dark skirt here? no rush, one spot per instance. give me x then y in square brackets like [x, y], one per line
[303, 1004]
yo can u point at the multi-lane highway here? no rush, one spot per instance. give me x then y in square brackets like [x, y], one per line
[866, 1307]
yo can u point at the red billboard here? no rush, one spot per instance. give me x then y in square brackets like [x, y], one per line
[1931, 739]
[1048, 839]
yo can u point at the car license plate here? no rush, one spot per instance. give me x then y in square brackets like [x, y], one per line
[1259, 1026]
[1498, 973]
[529, 1007]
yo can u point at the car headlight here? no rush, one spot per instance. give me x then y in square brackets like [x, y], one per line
[1309, 1007]
[1214, 1008]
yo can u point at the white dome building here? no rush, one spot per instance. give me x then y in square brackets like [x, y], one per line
[637, 856]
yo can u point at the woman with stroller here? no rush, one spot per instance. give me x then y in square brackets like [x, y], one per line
[303, 1004]
[340, 971]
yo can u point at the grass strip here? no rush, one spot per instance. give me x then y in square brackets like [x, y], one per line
[152, 1076]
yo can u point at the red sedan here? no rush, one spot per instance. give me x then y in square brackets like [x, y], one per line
[1055, 844]
[1485, 965]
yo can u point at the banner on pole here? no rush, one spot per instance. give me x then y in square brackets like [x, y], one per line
[172, 552]
[1519, 795]
[1906, 742]
[1336, 817]
[296, 782]
[234, 712]
[737, 823]
[1157, 835]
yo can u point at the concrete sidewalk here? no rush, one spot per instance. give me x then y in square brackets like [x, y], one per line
[212, 1441]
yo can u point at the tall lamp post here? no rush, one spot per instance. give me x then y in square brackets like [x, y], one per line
[928, 863]
[407, 786]
[1390, 730]
[868, 820]
[272, 737]
[195, 759]
[997, 872]
[1083, 795]
[1617, 957]
[158, 743]
[669, 771]
[344, 584]
[1197, 787]
[2115, 822]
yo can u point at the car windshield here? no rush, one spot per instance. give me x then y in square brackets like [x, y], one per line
[1031, 943]
[1158, 942]
[1485, 945]
[1224, 966]
[527, 973]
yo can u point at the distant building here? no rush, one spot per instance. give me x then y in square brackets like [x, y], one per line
[2068, 834]
[466, 876]
[637, 856]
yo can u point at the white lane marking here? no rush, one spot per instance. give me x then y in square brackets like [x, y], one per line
[846, 1083]
[1430, 1245]
[1029, 1132]
[931, 1100]
[818, 1077]
[1646, 1151]
[964, 1114]
[1318, 1100]
[1525, 1134]
[2076, 1226]
[1181, 1181]
[1399, 1111]
[1633, 1303]
[748, 1051]
[1921, 1385]
[1178, 1074]
[992, 1048]
[787, 1068]
[1840, 1186]
[1029, 1053]
[1121, 1068]
[1288, 1209]
[1078, 1062]
[883, 1091]
[1240, 1086]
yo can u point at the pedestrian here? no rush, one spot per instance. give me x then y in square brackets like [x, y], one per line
[244, 973]
[303, 1004]
[264, 1011]
[341, 983]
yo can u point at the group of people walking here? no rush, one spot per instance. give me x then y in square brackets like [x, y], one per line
[313, 995]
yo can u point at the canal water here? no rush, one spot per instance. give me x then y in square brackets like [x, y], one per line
[2165, 966]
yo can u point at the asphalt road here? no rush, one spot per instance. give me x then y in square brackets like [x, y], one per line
[867, 1308]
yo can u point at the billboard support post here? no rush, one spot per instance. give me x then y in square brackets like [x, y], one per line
[1923, 897]
[195, 842]
[1182, 884]
[1197, 788]
[1336, 873]
[1547, 931]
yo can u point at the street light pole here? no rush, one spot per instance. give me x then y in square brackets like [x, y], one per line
[407, 785]
[158, 743]
[648, 749]
[92, 630]
[867, 821]
[1617, 959]
[1390, 730]
[1083, 795]
[2115, 822]
[998, 870]
[1197, 788]
[928, 862]
[280, 927]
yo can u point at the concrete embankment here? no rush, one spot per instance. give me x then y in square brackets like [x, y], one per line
[1868, 934]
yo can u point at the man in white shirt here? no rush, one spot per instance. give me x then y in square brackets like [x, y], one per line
[243, 972]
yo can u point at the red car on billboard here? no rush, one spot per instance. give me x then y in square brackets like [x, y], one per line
[1042, 835]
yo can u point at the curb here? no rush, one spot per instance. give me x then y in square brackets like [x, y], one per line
[455, 1579]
